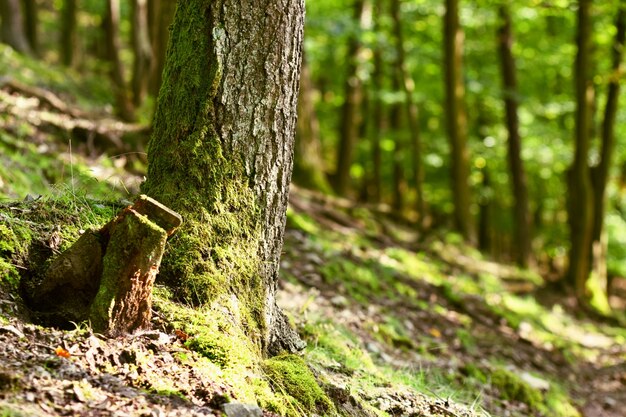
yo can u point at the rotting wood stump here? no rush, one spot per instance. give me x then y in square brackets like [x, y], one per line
[107, 275]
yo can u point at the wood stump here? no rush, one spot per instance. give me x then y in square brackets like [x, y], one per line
[107, 275]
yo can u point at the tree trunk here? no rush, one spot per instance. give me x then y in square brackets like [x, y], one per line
[69, 36]
[161, 13]
[142, 50]
[600, 174]
[221, 155]
[12, 31]
[112, 32]
[308, 166]
[521, 212]
[350, 114]
[395, 125]
[457, 120]
[412, 113]
[377, 125]
[580, 214]
[31, 24]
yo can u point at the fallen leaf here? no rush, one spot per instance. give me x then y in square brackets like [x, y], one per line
[62, 352]
[434, 332]
[181, 335]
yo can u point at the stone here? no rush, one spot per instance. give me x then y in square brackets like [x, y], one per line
[242, 410]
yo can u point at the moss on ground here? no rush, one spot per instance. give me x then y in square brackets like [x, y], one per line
[290, 375]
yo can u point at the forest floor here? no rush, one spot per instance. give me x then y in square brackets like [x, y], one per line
[396, 324]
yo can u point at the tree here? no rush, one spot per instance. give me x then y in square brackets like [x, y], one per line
[12, 30]
[221, 155]
[580, 202]
[160, 14]
[31, 23]
[69, 34]
[457, 119]
[521, 212]
[377, 126]
[142, 50]
[308, 165]
[600, 173]
[408, 86]
[125, 107]
[353, 96]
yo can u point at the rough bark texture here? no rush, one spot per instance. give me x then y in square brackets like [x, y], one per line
[69, 36]
[580, 202]
[106, 276]
[221, 154]
[457, 119]
[521, 212]
[133, 255]
[350, 112]
[408, 86]
[142, 50]
[12, 29]
[600, 174]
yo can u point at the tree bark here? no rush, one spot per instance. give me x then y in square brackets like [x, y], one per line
[580, 214]
[125, 107]
[408, 87]
[457, 120]
[12, 30]
[600, 173]
[69, 36]
[142, 50]
[350, 113]
[521, 212]
[221, 155]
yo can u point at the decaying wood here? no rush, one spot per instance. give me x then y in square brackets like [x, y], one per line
[108, 274]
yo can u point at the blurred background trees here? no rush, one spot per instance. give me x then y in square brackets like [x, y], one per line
[498, 120]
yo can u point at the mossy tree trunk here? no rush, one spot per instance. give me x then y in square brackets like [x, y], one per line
[221, 155]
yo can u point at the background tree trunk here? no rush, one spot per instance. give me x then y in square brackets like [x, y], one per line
[112, 32]
[395, 124]
[221, 155]
[160, 13]
[142, 50]
[350, 114]
[521, 212]
[408, 87]
[31, 24]
[69, 35]
[580, 192]
[308, 166]
[12, 31]
[457, 120]
[377, 124]
[600, 174]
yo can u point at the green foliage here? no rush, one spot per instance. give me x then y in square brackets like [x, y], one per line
[512, 387]
[290, 375]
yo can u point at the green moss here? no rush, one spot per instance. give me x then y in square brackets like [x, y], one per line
[215, 254]
[290, 375]
[512, 387]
